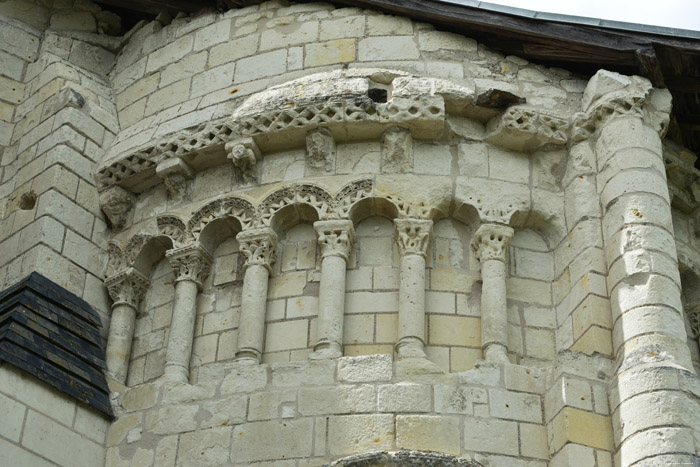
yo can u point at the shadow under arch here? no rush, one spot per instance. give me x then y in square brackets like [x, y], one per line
[217, 231]
[543, 223]
[403, 458]
[151, 253]
[373, 206]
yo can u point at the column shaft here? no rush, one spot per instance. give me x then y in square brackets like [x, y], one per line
[335, 239]
[126, 289]
[258, 246]
[490, 244]
[179, 350]
[413, 238]
[494, 314]
[191, 266]
[412, 304]
[121, 334]
[251, 330]
[331, 305]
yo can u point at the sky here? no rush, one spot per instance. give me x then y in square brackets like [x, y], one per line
[681, 14]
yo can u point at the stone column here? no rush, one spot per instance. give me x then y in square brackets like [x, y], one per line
[191, 266]
[126, 289]
[628, 118]
[336, 239]
[258, 246]
[412, 237]
[490, 244]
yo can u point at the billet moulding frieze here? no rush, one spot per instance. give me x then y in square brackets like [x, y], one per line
[258, 246]
[244, 155]
[190, 263]
[413, 236]
[335, 237]
[491, 242]
[126, 287]
[423, 115]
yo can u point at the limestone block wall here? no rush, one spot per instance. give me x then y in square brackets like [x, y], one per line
[306, 413]
[43, 427]
[499, 289]
[63, 120]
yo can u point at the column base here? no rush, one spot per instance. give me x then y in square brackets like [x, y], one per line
[176, 374]
[496, 353]
[409, 347]
[326, 351]
[247, 357]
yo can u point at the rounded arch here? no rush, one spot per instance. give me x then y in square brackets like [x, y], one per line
[217, 231]
[150, 253]
[174, 228]
[293, 204]
[236, 207]
[547, 224]
[373, 206]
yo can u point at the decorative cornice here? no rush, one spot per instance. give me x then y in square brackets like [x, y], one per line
[491, 242]
[190, 263]
[335, 237]
[413, 236]
[258, 246]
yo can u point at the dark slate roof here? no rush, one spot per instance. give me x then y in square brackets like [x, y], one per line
[54, 335]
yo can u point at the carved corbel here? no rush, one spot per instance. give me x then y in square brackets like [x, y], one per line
[525, 128]
[116, 202]
[320, 149]
[244, 155]
[175, 172]
[397, 150]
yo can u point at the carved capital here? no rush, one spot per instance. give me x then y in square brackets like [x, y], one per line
[491, 242]
[258, 246]
[609, 95]
[190, 263]
[127, 287]
[413, 236]
[335, 237]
